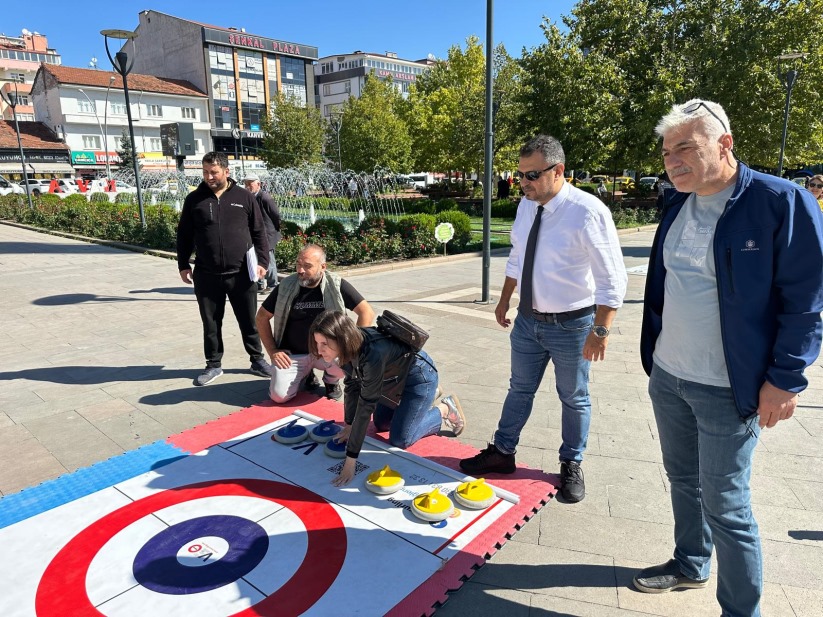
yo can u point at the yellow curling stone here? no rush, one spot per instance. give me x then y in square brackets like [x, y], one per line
[385, 482]
[476, 494]
[432, 507]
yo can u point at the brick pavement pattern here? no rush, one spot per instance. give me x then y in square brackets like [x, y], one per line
[100, 347]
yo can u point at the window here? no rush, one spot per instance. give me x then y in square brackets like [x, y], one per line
[85, 107]
[91, 142]
[189, 113]
[198, 145]
[20, 78]
[25, 117]
[154, 110]
[118, 109]
[23, 99]
[155, 144]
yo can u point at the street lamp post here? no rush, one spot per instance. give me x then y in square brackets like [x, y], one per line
[100, 126]
[11, 100]
[337, 124]
[788, 78]
[121, 64]
[106, 129]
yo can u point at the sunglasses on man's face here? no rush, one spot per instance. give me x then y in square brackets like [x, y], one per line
[531, 176]
[815, 185]
[695, 106]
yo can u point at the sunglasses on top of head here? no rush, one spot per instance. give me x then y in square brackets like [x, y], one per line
[695, 106]
[531, 176]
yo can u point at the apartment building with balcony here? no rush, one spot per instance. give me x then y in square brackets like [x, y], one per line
[20, 58]
[342, 76]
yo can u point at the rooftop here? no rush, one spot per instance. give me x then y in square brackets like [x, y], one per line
[34, 135]
[100, 79]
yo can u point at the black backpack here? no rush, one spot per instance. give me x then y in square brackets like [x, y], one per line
[400, 328]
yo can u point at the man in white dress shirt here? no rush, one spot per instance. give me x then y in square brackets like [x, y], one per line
[568, 269]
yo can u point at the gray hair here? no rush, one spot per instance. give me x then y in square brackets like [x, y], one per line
[321, 252]
[546, 145]
[711, 115]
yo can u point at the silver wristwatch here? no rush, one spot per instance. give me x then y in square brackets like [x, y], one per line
[600, 331]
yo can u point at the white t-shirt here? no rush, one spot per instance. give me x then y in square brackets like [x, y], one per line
[690, 346]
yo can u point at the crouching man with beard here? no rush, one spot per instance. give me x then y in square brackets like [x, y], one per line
[286, 315]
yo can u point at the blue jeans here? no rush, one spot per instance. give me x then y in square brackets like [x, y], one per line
[707, 453]
[534, 343]
[415, 417]
[271, 274]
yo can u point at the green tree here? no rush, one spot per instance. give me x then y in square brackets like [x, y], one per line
[448, 107]
[125, 152]
[373, 132]
[292, 133]
[572, 95]
[667, 51]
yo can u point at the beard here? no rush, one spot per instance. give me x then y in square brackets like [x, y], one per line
[310, 282]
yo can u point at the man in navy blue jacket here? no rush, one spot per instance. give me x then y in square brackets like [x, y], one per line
[731, 319]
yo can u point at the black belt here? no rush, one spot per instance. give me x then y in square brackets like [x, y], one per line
[556, 318]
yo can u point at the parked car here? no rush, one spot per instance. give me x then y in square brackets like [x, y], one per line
[625, 183]
[37, 185]
[801, 180]
[599, 179]
[648, 181]
[7, 187]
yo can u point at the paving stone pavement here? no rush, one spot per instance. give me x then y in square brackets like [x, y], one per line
[100, 346]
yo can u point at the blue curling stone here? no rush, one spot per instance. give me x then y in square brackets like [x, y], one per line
[335, 449]
[325, 431]
[291, 433]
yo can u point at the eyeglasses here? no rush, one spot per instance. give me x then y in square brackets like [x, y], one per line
[695, 106]
[531, 176]
[815, 185]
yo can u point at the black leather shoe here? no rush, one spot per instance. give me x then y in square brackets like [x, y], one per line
[572, 486]
[665, 577]
[490, 460]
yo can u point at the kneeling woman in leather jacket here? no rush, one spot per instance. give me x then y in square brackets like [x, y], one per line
[385, 379]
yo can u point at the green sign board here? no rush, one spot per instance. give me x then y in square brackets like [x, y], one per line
[83, 158]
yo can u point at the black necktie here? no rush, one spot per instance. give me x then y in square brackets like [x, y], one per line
[526, 298]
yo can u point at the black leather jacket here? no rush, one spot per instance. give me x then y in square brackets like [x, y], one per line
[377, 375]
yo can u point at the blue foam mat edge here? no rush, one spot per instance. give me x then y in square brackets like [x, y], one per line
[53, 493]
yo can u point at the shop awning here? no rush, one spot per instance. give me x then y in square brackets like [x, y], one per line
[14, 168]
[51, 168]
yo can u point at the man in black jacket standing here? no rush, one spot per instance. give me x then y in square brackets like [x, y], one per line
[271, 220]
[220, 222]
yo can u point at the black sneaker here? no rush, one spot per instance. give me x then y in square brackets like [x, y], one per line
[665, 577]
[490, 460]
[261, 367]
[334, 391]
[208, 376]
[572, 487]
[310, 383]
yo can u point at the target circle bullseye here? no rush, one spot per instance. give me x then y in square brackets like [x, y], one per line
[184, 559]
[63, 584]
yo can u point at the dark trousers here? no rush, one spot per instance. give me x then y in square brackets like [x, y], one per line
[211, 291]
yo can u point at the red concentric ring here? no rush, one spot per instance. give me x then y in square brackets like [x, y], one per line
[62, 589]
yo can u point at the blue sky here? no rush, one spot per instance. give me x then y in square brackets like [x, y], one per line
[412, 29]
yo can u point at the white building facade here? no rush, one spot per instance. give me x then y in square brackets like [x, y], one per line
[87, 109]
[343, 76]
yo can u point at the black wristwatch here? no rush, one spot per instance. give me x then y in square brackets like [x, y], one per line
[600, 331]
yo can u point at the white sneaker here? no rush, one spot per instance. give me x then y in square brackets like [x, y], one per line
[455, 419]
